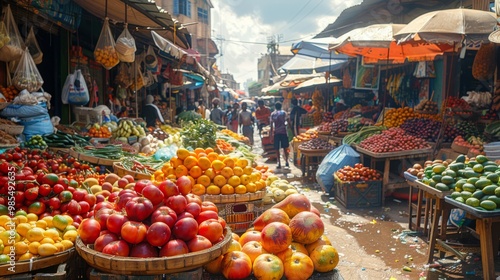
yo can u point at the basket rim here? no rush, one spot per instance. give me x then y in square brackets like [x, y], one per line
[99, 259]
[37, 263]
[233, 198]
[137, 175]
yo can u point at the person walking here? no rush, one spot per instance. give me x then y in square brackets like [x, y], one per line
[201, 109]
[232, 118]
[246, 121]
[278, 133]
[295, 116]
[262, 114]
[216, 114]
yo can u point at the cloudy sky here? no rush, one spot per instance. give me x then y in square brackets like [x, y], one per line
[241, 28]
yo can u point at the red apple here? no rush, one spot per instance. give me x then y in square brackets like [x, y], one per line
[117, 248]
[198, 243]
[193, 208]
[210, 229]
[153, 193]
[129, 178]
[191, 197]
[115, 222]
[177, 203]
[168, 188]
[122, 183]
[185, 185]
[174, 247]
[236, 265]
[164, 214]
[79, 194]
[158, 234]
[143, 250]
[141, 184]
[185, 215]
[107, 186]
[103, 240]
[185, 229]
[206, 215]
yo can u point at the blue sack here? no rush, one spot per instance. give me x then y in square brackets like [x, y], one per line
[37, 126]
[24, 111]
[335, 160]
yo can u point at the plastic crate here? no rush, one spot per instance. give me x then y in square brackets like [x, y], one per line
[240, 216]
[87, 115]
[358, 194]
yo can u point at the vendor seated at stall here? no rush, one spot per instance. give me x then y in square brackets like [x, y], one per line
[151, 113]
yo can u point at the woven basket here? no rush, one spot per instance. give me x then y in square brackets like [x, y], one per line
[120, 171]
[152, 266]
[12, 129]
[37, 263]
[233, 198]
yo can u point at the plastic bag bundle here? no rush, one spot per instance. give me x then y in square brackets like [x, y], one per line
[78, 92]
[151, 60]
[123, 77]
[137, 79]
[34, 48]
[27, 76]
[11, 46]
[105, 53]
[125, 46]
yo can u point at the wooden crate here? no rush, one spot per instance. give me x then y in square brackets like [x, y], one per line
[358, 194]
[240, 216]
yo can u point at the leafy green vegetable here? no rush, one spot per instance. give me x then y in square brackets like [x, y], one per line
[200, 133]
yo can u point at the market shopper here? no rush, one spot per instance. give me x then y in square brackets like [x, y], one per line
[151, 113]
[232, 117]
[201, 109]
[216, 114]
[278, 132]
[246, 121]
[262, 114]
[295, 116]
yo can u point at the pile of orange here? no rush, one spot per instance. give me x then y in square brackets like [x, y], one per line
[9, 93]
[212, 173]
[396, 117]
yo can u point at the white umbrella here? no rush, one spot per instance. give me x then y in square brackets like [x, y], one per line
[301, 63]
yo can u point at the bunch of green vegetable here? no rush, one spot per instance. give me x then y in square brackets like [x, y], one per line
[187, 116]
[142, 164]
[362, 134]
[108, 151]
[200, 133]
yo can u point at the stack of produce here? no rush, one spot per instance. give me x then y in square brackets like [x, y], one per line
[356, 123]
[127, 128]
[199, 134]
[35, 142]
[427, 107]
[429, 129]
[492, 130]
[473, 181]
[212, 173]
[98, 131]
[396, 117]
[358, 173]
[148, 145]
[393, 140]
[158, 133]
[235, 135]
[318, 102]
[316, 144]
[306, 136]
[112, 152]
[461, 142]
[362, 134]
[335, 126]
[277, 189]
[287, 241]
[491, 115]
[417, 170]
[9, 93]
[457, 107]
[467, 129]
[328, 117]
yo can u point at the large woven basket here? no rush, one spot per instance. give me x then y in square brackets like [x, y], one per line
[12, 129]
[119, 170]
[233, 198]
[37, 263]
[152, 266]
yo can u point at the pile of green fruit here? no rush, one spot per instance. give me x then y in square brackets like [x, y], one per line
[474, 182]
[35, 142]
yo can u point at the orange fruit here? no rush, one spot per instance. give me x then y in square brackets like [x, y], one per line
[195, 172]
[204, 180]
[229, 162]
[234, 181]
[213, 189]
[242, 162]
[193, 181]
[182, 153]
[175, 161]
[247, 170]
[240, 189]
[193, 154]
[199, 150]
[217, 165]
[213, 156]
[190, 162]
[198, 189]
[251, 187]
[245, 179]
[181, 170]
[172, 177]
[202, 154]
[219, 180]
[204, 163]
[210, 172]
[238, 171]
[209, 150]
[227, 172]
[227, 189]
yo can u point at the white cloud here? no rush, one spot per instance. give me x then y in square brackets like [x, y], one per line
[243, 28]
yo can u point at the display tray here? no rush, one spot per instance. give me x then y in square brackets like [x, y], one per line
[152, 266]
[478, 212]
[233, 198]
[459, 149]
[394, 154]
[37, 263]
[324, 132]
[91, 159]
[428, 189]
[121, 171]
[311, 151]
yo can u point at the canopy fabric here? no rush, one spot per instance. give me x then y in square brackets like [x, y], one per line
[288, 81]
[316, 82]
[376, 44]
[449, 26]
[317, 47]
[144, 15]
[306, 63]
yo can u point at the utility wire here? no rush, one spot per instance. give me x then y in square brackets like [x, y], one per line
[298, 12]
[304, 16]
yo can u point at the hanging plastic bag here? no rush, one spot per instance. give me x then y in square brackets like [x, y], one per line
[65, 90]
[105, 53]
[123, 77]
[151, 60]
[78, 91]
[12, 44]
[125, 46]
[27, 75]
[32, 45]
[137, 79]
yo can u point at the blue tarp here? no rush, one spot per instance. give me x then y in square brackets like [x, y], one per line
[335, 160]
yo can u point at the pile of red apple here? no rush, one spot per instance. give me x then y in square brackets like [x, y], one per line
[153, 221]
[393, 140]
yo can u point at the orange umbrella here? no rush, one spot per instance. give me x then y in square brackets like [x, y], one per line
[376, 44]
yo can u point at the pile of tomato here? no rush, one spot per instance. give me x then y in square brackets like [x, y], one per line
[358, 173]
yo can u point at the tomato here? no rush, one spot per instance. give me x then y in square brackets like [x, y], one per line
[117, 248]
[211, 229]
[103, 240]
[185, 229]
[144, 250]
[177, 203]
[102, 216]
[65, 196]
[50, 179]
[37, 208]
[57, 188]
[90, 199]
[115, 222]
[164, 214]
[19, 197]
[84, 207]
[54, 203]
[206, 215]
[124, 197]
[133, 232]
[198, 243]
[158, 234]
[153, 193]
[31, 194]
[74, 208]
[89, 230]
[45, 190]
[139, 208]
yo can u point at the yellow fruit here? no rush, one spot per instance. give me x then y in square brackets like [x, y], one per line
[227, 172]
[23, 228]
[240, 189]
[245, 179]
[4, 220]
[32, 217]
[5, 236]
[60, 222]
[41, 224]
[21, 247]
[248, 170]
[35, 234]
[217, 165]
[198, 189]
[48, 220]
[204, 180]
[25, 256]
[182, 153]
[234, 181]
[59, 246]
[213, 189]
[52, 234]
[238, 171]
[190, 162]
[46, 240]
[219, 180]
[213, 156]
[20, 219]
[229, 162]
[227, 189]
[70, 235]
[33, 247]
[90, 182]
[67, 244]
[70, 220]
[204, 163]
[242, 162]
[251, 187]
[325, 258]
[195, 172]
[47, 249]
[210, 173]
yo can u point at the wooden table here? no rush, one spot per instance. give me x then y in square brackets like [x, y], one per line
[487, 238]
[387, 182]
[310, 158]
